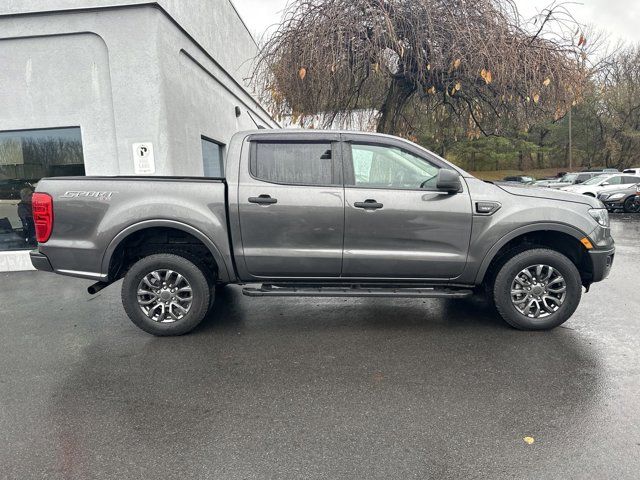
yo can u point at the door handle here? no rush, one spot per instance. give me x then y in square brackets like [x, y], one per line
[368, 204]
[263, 200]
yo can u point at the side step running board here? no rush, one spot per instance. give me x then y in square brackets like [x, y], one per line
[358, 291]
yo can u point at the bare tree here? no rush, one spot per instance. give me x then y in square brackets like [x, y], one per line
[479, 60]
[619, 107]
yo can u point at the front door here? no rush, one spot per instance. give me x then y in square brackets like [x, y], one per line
[397, 224]
[291, 206]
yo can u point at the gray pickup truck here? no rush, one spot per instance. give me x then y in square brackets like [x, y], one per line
[323, 213]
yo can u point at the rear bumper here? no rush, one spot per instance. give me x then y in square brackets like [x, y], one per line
[40, 261]
[602, 260]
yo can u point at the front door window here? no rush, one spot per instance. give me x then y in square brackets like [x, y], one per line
[375, 166]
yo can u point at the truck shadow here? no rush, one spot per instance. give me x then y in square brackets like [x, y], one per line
[358, 380]
[232, 310]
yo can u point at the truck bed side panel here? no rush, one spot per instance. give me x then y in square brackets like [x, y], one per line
[90, 214]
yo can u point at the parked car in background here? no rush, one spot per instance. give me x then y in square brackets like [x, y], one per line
[602, 170]
[568, 179]
[605, 182]
[633, 171]
[520, 179]
[622, 199]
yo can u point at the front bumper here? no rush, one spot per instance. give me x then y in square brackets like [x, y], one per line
[615, 205]
[601, 260]
[40, 261]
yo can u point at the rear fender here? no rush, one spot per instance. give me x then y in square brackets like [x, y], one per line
[223, 271]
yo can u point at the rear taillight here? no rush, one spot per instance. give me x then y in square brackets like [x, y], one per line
[42, 205]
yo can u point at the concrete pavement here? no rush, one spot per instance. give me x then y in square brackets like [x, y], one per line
[320, 388]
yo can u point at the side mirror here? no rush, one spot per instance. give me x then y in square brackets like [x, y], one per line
[604, 184]
[448, 181]
[579, 181]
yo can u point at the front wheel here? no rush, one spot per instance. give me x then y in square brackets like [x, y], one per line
[165, 294]
[537, 289]
[631, 206]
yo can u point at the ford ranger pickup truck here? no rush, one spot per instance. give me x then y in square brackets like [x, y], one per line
[323, 213]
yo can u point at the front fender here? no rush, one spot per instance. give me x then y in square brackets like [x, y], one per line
[535, 227]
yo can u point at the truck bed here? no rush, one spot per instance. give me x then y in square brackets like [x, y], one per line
[103, 211]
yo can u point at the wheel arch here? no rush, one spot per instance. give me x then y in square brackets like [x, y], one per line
[124, 235]
[560, 237]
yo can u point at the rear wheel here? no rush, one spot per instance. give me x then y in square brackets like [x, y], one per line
[166, 294]
[631, 206]
[537, 289]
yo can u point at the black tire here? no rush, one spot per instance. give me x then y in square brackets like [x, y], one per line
[201, 293]
[512, 267]
[630, 205]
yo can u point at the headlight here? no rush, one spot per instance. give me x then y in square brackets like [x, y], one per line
[616, 196]
[600, 215]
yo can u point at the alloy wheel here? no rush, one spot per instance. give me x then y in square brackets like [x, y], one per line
[165, 296]
[538, 291]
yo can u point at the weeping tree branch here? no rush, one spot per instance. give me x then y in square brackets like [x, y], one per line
[397, 59]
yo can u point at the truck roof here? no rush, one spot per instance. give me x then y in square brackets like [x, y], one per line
[309, 133]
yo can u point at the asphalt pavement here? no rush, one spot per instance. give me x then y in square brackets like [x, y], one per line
[320, 388]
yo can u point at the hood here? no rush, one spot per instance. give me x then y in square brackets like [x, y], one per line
[559, 184]
[551, 194]
[576, 188]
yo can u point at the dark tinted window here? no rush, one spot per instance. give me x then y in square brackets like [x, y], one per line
[212, 158]
[293, 163]
[628, 179]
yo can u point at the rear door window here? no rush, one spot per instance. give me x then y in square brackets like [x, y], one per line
[295, 163]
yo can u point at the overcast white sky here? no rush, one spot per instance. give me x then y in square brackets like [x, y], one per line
[620, 18]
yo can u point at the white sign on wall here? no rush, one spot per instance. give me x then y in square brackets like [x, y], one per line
[143, 161]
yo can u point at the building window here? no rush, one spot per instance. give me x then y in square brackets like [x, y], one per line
[26, 156]
[212, 158]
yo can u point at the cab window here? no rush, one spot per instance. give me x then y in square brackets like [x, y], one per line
[377, 166]
[294, 163]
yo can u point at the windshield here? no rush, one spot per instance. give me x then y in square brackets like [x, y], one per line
[569, 177]
[596, 180]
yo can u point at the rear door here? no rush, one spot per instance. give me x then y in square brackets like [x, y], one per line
[397, 225]
[291, 207]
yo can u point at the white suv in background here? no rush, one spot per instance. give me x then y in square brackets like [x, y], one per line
[603, 183]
